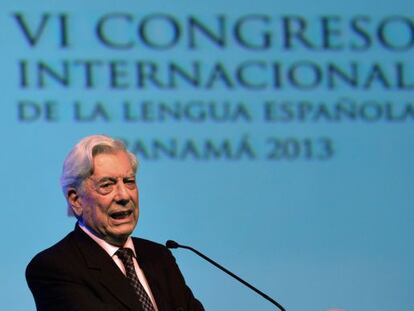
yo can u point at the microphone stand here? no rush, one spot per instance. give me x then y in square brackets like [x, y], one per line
[173, 244]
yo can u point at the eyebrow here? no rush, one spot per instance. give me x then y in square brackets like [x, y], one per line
[112, 178]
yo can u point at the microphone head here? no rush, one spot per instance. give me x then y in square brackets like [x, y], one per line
[171, 244]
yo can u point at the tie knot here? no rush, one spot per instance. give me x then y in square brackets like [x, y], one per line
[125, 254]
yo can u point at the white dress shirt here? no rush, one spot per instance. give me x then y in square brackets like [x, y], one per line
[111, 250]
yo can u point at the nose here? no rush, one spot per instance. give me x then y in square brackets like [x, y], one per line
[122, 195]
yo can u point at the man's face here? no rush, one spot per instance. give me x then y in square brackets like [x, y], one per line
[108, 199]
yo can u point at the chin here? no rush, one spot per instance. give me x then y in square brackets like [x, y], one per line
[124, 231]
[118, 238]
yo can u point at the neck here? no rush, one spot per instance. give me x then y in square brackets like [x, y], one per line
[118, 241]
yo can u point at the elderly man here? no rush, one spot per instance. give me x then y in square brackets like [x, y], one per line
[99, 266]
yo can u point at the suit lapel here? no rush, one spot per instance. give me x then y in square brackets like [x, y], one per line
[106, 271]
[151, 273]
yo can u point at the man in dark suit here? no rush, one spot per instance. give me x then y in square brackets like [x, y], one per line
[99, 266]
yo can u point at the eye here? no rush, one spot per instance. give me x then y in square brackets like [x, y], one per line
[130, 182]
[106, 185]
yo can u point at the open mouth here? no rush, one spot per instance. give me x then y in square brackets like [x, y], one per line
[121, 215]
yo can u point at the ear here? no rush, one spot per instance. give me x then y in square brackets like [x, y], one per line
[75, 201]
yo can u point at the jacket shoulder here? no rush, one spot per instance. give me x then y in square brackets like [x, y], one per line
[52, 255]
[148, 244]
[150, 249]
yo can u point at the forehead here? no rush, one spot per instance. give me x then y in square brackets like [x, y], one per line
[112, 164]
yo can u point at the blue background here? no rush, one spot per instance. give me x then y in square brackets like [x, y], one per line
[315, 235]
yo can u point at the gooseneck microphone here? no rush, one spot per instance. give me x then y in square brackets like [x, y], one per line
[173, 244]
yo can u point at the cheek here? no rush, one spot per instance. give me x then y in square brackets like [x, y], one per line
[96, 209]
[88, 215]
[135, 196]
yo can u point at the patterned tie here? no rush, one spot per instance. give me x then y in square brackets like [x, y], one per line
[126, 254]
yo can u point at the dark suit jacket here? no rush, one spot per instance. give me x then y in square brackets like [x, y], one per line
[77, 274]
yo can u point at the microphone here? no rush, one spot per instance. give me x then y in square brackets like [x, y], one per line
[173, 244]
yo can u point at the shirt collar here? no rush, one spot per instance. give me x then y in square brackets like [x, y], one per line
[109, 248]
